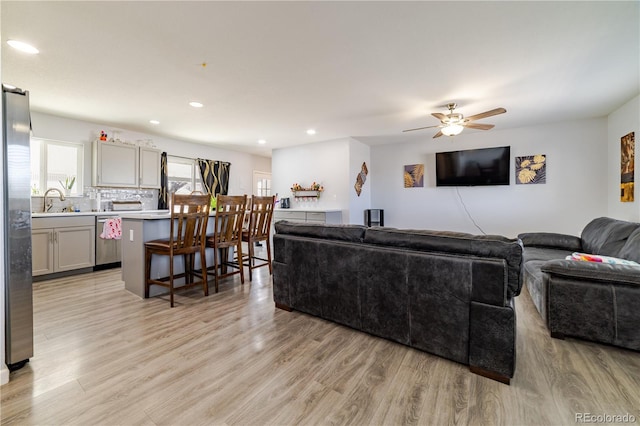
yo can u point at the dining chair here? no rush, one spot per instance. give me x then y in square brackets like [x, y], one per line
[189, 217]
[229, 215]
[258, 230]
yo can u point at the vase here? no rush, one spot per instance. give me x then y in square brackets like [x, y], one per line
[67, 192]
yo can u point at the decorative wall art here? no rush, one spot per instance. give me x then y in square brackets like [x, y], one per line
[627, 166]
[414, 176]
[531, 169]
[361, 179]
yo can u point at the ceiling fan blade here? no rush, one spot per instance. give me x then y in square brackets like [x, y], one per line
[479, 126]
[419, 128]
[437, 135]
[439, 115]
[486, 114]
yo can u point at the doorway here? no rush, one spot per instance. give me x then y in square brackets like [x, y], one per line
[261, 183]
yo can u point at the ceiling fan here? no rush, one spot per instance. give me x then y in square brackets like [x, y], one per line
[453, 123]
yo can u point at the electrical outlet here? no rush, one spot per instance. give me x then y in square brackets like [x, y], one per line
[130, 234]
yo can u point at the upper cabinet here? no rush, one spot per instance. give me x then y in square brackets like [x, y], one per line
[149, 167]
[125, 166]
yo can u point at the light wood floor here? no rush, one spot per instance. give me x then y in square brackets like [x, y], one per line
[105, 357]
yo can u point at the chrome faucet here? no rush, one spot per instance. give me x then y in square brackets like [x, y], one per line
[46, 208]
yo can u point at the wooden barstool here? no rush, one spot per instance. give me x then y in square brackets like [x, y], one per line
[258, 230]
[189, 216]
[229, 216]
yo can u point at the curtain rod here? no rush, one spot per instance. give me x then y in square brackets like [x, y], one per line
[194, 159]
[180, 156]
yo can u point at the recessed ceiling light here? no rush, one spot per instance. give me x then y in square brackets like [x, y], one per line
[196, 104]
[154, 122]
[23, 47]
[262, 141]
[311, 132]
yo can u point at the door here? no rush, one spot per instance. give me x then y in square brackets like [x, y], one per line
[42, 251]
[149, 168]
[116, 164]
[75, 248]
[261, 183]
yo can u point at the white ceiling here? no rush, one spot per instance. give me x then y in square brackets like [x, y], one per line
[362, 69]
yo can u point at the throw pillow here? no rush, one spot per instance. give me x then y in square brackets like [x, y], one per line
[585, 257]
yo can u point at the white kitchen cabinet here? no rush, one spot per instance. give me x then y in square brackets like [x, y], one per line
[316, 216]
[62, 244]
[42, 251]
[125, 166]
[149, 167]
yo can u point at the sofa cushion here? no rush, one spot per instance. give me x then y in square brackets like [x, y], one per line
[631, 249]
[491, 246]
[551, 240]
[535, 284]
[541, 253]
[607, 236]
[352, 233]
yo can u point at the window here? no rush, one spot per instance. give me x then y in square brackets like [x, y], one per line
[184, 175]
[56, 164]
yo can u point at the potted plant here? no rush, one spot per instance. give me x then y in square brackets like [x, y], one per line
[67, 184]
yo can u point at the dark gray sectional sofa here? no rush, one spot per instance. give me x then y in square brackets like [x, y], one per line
[449, 294]
[592, 301]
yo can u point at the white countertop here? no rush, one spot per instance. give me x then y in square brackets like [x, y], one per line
[307, 210]
[110, 213]
[156, 214]
[146, 214]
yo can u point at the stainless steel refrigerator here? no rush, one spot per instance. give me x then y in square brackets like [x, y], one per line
[16, 215]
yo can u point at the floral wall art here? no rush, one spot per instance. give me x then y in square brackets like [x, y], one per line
[627, 166]
[414, 176]
[531, 169]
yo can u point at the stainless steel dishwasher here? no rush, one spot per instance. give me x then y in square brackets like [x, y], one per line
[108, 252]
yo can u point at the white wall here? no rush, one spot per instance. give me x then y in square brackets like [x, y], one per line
[64, 129]
[574, 194]
[326, 163]
[621, 122]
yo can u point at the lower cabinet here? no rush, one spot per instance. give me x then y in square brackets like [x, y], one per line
[327, 216]
[62, 244]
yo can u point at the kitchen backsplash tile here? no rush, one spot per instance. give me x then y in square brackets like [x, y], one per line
[104, 196]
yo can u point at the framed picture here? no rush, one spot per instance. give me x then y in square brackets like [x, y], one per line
[414, 176]
[531, 169]
[627, 167]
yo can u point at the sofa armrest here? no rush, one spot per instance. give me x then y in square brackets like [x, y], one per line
[593, 271]
[551, 240]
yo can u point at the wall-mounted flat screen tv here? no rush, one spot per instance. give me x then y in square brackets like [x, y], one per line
[473, 167]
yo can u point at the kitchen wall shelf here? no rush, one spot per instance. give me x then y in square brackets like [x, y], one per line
[306, 193]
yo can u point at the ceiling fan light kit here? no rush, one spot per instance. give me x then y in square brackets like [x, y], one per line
[452, 130]
[453, 124]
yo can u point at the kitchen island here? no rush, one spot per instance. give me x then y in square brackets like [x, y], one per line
[138, 228]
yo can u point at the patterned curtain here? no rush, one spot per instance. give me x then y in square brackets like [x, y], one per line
[163, 195]
[215, 176]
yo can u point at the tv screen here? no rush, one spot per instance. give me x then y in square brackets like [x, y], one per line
[473, 167]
